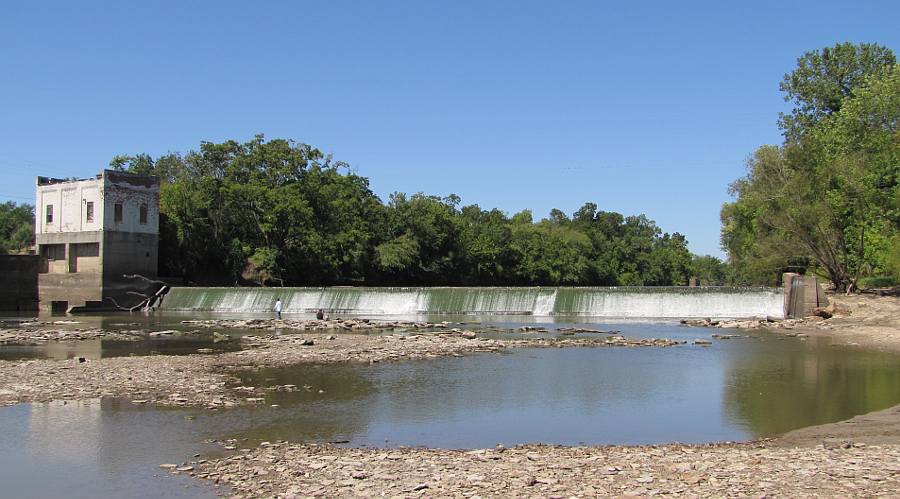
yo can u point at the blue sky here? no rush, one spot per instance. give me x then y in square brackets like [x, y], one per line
[640, 107]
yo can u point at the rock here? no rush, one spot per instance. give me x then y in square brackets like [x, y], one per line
[157, 334]
[832, 444]
[822, 312]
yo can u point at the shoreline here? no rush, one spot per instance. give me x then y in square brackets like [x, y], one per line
[863, 321]
[855, 457]
[211, 381]
[759, 469]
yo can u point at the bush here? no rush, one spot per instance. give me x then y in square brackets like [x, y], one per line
[877, 282]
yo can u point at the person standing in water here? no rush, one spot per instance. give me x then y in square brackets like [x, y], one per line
[278, 308]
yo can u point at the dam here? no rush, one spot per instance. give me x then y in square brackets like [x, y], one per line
[607, 302]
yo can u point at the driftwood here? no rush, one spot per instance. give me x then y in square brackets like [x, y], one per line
[148, 301]
[130, 309]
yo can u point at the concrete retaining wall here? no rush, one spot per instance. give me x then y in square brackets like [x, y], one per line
[19, 282]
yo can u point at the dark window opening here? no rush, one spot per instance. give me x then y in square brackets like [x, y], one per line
[89, 211]
[87, 249]
[49, 213]
[143, 214]
[53, 251]
[117, 212]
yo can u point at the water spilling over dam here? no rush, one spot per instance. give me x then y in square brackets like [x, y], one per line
[623, 302]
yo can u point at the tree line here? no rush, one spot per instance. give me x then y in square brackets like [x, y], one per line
[827, 199]
[277, 212]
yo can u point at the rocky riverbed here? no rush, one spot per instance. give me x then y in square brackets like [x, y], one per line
[359, 325]
[40, 336]
[868, 321]
[206, 380]
[857, 458]
[756, 469]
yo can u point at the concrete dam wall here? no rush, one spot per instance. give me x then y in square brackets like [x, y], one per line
[625, 302]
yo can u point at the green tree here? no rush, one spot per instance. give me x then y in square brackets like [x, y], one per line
[824, 196]
[824, 78]
[16, 226]
[709, 270]
[277, 212]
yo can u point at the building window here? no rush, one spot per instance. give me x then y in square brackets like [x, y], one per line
[49, 213]
[117, 212]
[143, 214]
[89, 211]
[53, 251]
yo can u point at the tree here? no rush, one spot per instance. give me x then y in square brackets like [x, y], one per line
[277, 212]
[824, 78]
[824, 196]
[709, 270]
[16, 226]
[485, 256]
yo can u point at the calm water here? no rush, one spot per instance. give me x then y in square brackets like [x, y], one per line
[95, 448]
[737, 389]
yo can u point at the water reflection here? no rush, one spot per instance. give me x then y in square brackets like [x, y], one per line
[565, 396]
[95, 448]
[735, 390]
[97, 348]
[316, 411]
[780, 385]
[738, 389]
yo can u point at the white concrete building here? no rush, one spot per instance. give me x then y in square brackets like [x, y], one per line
[92, 232]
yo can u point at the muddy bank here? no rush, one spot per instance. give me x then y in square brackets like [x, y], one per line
[208, 380]
[754, 469]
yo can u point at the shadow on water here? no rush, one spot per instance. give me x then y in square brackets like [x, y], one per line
[776, 389]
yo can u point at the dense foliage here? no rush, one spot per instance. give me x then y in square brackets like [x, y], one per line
[16, 227]
[279, 212]
[828, 197]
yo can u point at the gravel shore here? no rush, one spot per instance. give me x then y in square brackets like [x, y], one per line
[206, 380]
[856, 458]
[733, 470]
[867, 321]
[32, 337]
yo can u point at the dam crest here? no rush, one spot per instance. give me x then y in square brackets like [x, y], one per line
[610, 302]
